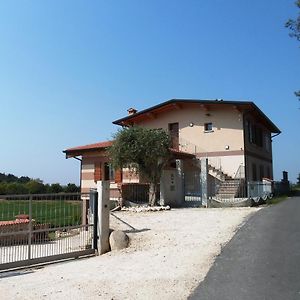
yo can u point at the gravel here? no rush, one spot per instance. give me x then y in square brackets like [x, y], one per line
[169, 254]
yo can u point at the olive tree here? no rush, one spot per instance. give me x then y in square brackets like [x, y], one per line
[145, 150]
[294, 26]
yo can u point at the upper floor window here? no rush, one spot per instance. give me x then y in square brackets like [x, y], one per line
[255, 134]
[208, 127]
[174, 135]
[267, 141]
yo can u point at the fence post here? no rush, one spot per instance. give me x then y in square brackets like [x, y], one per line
[84, 211]
[30, 227]
[94, 209]
[103, 216]
[204, 177]
[179, 181]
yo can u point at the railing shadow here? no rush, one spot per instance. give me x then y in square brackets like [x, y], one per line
[8, 274]
[132, 229]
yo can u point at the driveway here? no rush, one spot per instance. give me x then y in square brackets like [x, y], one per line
[262, 261]
[169, 254]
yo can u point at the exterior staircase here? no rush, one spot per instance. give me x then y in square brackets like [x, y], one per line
[218, 173]
[229, 189]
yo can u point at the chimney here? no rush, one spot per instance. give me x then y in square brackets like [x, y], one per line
[131, 111]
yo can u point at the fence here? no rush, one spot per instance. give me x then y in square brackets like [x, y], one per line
[192, 188]
[137, 193]
[259, 189]
[231, 191]
[41, 228]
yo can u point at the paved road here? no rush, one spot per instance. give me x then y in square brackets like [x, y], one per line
[262, 261]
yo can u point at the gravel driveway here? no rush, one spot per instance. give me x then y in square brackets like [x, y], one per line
[170, 253]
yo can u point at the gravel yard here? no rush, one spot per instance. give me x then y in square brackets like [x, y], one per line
[170, 253]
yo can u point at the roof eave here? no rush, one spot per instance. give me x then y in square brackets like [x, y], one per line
[126, 120]
[122, 121]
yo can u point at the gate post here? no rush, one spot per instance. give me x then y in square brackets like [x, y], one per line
[180, 182]
[204, 177]
[103, 216]
[30, 228]
[94, 209]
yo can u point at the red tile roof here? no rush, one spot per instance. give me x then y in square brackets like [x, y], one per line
[179, 153]
[106, 144]
[19, 221]
[99, 145]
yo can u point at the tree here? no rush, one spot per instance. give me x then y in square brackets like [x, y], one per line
[23, 179]
[294, 26]
[146, 150]
[35, 186]
[298, 179]
[16, 188]
[55, 188]
[71, 188]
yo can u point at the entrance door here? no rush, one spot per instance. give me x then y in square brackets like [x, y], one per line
[174, 134]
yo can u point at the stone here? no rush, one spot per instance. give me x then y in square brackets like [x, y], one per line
[118, 240]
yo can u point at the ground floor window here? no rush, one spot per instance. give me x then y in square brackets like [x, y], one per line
[261, 172]
[109, 172]
[254, 173]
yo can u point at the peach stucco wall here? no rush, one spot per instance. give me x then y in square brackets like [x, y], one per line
[224, 145]
[227, 127]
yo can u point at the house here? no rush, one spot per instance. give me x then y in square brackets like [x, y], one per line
[235, 138]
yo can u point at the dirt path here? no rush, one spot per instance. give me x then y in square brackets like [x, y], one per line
[169, 254]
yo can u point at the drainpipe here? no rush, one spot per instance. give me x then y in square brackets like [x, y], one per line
[245, 154]
[75, 157]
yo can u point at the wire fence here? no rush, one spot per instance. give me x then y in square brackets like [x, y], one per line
[37, 227]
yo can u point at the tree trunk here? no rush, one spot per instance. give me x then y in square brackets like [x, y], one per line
[152, 194]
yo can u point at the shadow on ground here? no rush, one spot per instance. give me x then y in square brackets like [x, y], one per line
[132, 229]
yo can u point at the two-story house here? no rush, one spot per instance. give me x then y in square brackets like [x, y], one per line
[235, 137]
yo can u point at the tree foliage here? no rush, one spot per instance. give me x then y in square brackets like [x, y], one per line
[13, 185]
[294, 26]
[146, 150]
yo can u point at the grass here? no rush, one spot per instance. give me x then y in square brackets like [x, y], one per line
[277, 199]
[56, 213]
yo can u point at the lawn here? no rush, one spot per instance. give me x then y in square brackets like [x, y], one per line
[277, 199]
[57, 213]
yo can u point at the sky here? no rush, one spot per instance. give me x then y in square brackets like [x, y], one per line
[70, 68]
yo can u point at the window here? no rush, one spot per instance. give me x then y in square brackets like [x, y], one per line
[255, 134]
[259, 137]
[174, 134]
[208, 127]
[254, 175]
[109, 172]
[251, 133]
[261, 172]
[267, 141]
[268, 172]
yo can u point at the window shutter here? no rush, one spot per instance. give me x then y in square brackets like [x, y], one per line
[97, 172]
[118, 175]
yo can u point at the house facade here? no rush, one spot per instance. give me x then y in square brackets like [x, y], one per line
[234, 136]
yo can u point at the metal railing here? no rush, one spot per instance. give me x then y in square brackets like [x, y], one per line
[192, 187]
[259, 189]
[45, 227]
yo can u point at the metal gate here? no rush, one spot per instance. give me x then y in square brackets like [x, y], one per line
[192, 188]
[42, 228]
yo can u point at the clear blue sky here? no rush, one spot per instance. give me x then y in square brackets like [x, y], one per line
[69, 68]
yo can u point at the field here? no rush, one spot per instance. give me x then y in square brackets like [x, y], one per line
[57, 213]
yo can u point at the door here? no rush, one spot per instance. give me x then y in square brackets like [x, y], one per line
[174, 134]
